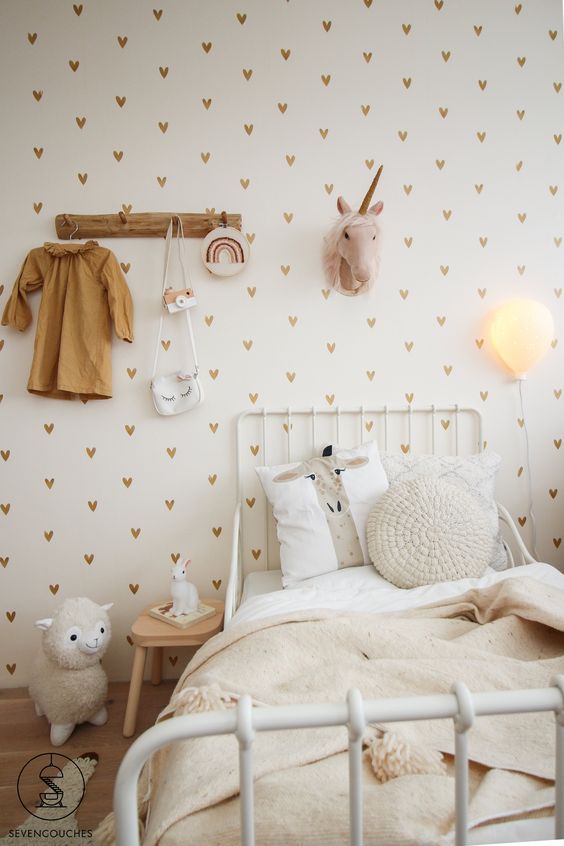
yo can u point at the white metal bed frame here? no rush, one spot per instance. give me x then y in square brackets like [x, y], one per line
[244, 721]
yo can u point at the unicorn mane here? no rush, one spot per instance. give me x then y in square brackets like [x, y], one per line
[331, 254]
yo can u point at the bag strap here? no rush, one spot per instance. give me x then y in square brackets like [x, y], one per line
[168, 249]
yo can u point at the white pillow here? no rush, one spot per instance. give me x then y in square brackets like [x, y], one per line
[426, 531]
[474, 474]
[321, 506]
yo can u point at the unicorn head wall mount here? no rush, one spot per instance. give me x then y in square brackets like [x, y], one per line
[351, 248]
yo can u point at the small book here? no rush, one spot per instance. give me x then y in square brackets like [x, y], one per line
[162, 612]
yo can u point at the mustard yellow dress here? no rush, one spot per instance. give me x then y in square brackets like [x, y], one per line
[84, 290]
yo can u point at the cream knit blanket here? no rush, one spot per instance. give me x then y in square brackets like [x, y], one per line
[507, 636]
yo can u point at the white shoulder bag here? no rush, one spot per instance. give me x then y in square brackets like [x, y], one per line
[180, 391]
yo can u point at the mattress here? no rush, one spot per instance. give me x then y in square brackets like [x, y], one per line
[362, 589]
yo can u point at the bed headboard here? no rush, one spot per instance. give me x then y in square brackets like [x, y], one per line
[283, 436]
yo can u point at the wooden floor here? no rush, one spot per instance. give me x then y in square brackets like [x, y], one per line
[23, 735]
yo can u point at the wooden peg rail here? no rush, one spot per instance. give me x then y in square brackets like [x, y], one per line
[143, 225]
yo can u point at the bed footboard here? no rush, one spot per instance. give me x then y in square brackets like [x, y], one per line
[244, 721]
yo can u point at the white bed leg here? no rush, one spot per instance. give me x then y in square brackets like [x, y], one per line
[558, 681]
[357, 725]
[462, 722]
[245, 735]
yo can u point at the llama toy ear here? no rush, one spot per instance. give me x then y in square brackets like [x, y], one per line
[107, 606]
[44, 624]
[342, 206]
[376, 208]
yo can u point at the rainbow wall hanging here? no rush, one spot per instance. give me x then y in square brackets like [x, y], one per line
[225, 251]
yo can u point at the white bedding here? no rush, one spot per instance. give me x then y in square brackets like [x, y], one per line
[363, 589]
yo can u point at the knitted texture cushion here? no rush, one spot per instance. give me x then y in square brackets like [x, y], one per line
[425, 531]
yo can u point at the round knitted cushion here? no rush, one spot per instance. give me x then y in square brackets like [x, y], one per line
[424, 531]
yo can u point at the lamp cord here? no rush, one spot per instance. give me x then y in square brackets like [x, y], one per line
[529, 475]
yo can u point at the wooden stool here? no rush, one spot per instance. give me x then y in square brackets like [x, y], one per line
[148, 632]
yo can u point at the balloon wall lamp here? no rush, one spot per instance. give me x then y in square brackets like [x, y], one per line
[521, 332]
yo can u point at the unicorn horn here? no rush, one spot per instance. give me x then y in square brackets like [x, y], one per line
[366, 202]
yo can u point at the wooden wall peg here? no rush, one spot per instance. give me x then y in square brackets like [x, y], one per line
[142, 225]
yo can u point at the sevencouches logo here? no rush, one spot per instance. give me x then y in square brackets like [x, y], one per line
[51, 786]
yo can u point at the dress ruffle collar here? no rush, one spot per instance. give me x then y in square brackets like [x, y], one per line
[68, 248]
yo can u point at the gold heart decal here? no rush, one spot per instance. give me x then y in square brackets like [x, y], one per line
[161, 180]
[163, 72]
[285, 268]
[250, 502]
[127, 481]
[326, 25]
[557, 442]
[169, 504]
[444, 269]
[133, 588]
[217, 530]
[482, 292]
[241, 17]
[253, 398]
[32, 37]
[447, 214]
[288, 216]
[441, 319]
[254, 449]
[368, 425]
[325, 293]
[446, 55]
[205, 157]
[213, 427]
[4, 561]
[247, 73]
[521, 61]
[77, 9]
[54, 589]
[125, 266]
[552, 33]
[173, 659]
[135, 533]
[367, 57]
[323, 133]
[403, 293]
[479, 343]
[478, 30]
[88, 558]
[38, 151]
[408, 241]
[406, 28]
[256, 553]
[285, 54]
[5, 506]
[406, 81]
[553, 492]
[92, 505]
[209, 319]
[48, 427]
[129, 429]
[519, 472]
[331, 347]
[163, 126]
[175, 556]
[405, 448]
[37, 207]
[207, 103]
[440, 163]
[402, 133]
[370, 374]
[11, 668]
[557, 393]
[556, 542]
[290, 376]
[522, 217]
[409, 398]
[484, 395]
[165, 345]
[326, 79]
[371, 321]
[443, 111]
[212, 479]
[49, 483]
[214, 374]
[38, 95]
[120, 101]
[330, 399]
[292, 320]
[408, 345]
[521, 521]
[248, 128]
[11, 615]
[5, 453]
[216, 583]
[91, 451]
[73, 64]
[282, 107]
[245, 183]
[365, 110]
[447, 368]
[131, 371]
[122, 40]
[82, 177]
[158, 13]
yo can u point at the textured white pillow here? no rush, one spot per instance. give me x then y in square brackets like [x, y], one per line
[474, 474]
[425, 531]
[321, 506]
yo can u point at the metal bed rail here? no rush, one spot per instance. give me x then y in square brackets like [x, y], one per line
[244, 722]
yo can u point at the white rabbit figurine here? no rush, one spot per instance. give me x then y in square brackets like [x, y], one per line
[184, 594]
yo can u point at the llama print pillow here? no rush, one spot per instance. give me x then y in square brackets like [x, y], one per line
[321, 506]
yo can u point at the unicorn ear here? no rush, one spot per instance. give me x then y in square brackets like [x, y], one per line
[376, 208]
[342, 205]
[108, 606]
[44, 624]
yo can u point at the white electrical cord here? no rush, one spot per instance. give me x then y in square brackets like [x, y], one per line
[529, 475]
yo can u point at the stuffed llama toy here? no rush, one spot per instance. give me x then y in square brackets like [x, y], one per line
[68, 684]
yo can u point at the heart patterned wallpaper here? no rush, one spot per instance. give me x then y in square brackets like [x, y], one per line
[270, 108]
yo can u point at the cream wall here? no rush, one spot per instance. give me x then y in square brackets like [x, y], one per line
[309, 142]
